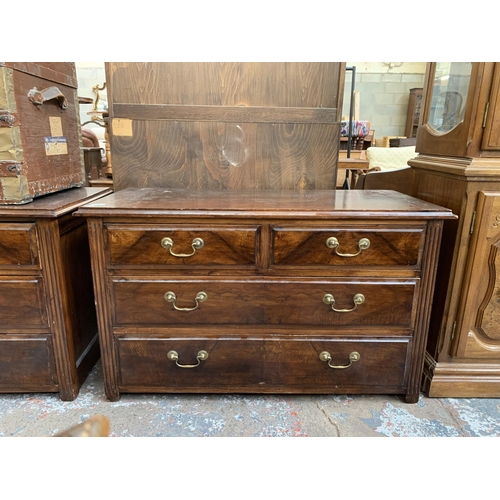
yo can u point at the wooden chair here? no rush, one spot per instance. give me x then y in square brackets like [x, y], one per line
[400, 180]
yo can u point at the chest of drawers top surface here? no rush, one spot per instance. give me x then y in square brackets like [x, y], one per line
[137, 202]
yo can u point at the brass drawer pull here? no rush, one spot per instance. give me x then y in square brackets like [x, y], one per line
[168, 243]
[333, 242]
[200, 297]
[325, 356]
[359, 298]
[201, 356]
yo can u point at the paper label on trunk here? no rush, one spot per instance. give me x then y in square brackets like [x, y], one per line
[55, 146]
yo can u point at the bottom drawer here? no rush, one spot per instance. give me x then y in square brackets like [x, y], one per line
[263, 365]
[26, 364]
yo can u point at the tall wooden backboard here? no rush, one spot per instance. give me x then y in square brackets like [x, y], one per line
[225, 125]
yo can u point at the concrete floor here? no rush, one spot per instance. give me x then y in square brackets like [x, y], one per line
[168, 415]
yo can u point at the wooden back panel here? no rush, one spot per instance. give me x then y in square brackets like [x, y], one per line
[225, 125]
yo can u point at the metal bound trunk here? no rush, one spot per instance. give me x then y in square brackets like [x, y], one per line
[40, 138]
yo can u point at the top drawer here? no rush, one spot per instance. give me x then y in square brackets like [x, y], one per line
[347, 247]
[182, 246]
[18, 245]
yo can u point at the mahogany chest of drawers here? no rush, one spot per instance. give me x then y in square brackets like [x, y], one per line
[263, 291]
[48, 326]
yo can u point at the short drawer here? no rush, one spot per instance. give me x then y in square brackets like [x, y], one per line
[18, 245]
[26, 364]
[264, 302]
[22, 304]
[262, 365]
[174, 246]
[346, 247]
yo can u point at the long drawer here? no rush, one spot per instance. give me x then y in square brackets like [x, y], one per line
[318, 365]
[318, 302]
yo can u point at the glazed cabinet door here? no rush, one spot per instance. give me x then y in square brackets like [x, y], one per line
[477, 331]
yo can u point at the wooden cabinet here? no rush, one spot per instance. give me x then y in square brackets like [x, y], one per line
[413, 114]
[48, 328]
[458, 167]
[263, 291]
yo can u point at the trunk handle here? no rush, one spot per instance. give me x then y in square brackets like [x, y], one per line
[38, 97]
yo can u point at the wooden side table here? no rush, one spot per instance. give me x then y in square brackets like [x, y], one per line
[48, 326]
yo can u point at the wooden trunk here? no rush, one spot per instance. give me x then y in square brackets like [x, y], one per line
[40, 139]
[225, 125]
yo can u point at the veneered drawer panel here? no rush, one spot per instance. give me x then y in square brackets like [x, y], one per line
[308, 247]
[22, 304]
[262, 365]
[142, 245]
[18, 245]
[26, 364]
[263, 302]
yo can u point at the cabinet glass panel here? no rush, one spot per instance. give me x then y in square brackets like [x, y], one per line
[449, 95]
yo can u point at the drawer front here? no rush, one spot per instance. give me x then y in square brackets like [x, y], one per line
[264, 302]
[169, 246]
[359, 247]
[22, 304]
[262, 365]
[18, 245]
[26, 364]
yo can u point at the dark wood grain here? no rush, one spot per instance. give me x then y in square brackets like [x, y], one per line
[103, 306]
[263, 302]
[227, 126]
[27, 364]
[22, 303]
[211, 155]
[429, 269]
[308, 247]
[272, 84]
[240, 114]
[262, 365]
[132, 246]
[18, 245]
[318, 205]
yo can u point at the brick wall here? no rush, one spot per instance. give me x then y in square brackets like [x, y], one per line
[383, 99]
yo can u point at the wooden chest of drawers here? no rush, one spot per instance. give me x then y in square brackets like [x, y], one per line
[262, 291]
[48, 326]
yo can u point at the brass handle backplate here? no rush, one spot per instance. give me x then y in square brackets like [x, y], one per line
[201, 356]
[200, 297]
[326, 356]
[333, 243]
[196, 244]
[329, 299]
